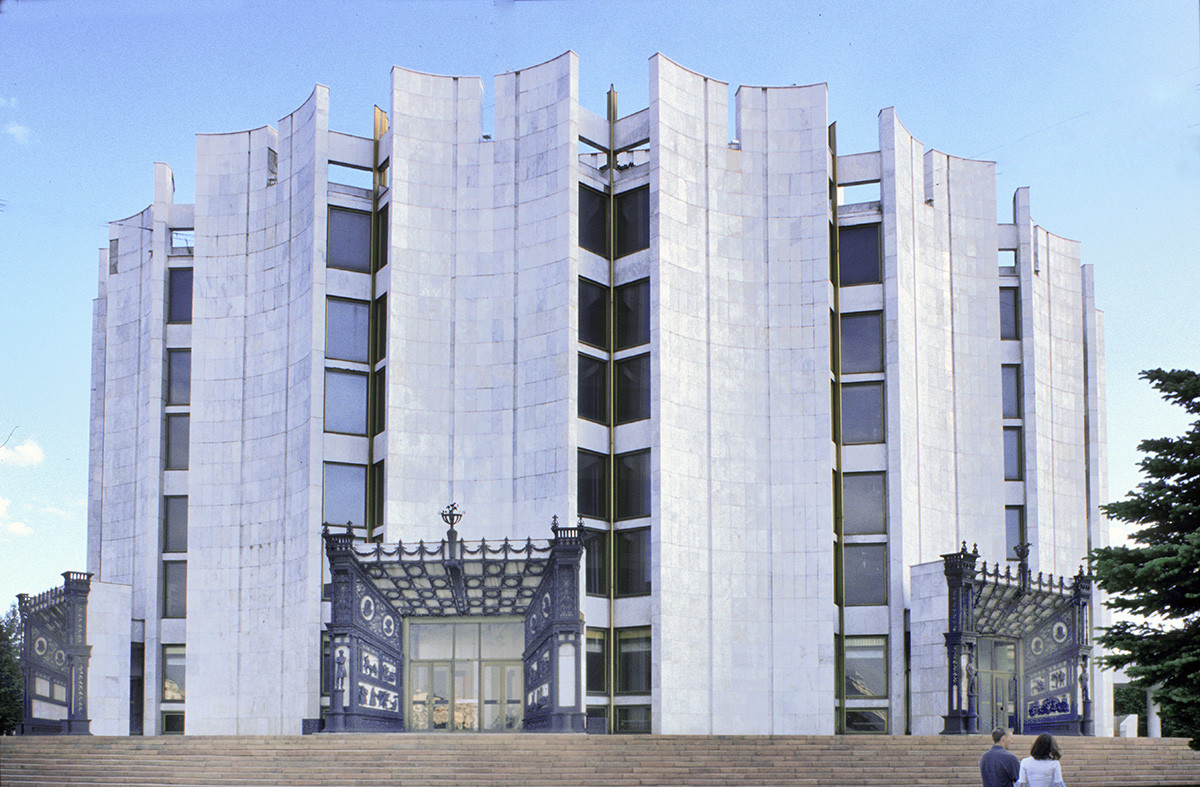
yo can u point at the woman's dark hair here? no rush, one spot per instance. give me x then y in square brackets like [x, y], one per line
[1044, 748]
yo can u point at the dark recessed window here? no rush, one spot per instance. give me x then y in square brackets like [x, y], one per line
[593, 220]
[593, 485]
[633, 389]
[347, 329]
[633, 484]
[346, 495]
[345, 402]
[864, 504]
[633, 314]
[179, 295]
[379, 329]
[865, 575]
[381, 238]
[376, 480]
[1010, 385]
[178, 435]
[633, 221]
[862, 342]
[867, 720]
[593, 314]
[378, 405]
[175, 523]
[174, 661]
[174, 595]
[595, 565]
[633, 719]
[593, 389]
[1014, 529]
[172, 723]
[859, 255]
[633, 562]
[179, 376]
[633, 661]
[1014, 466]
[597, 661]
[349, 240]
[1010, 313]
[866, 669]
[862, 413]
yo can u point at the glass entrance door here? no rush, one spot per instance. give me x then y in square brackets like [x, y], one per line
[502, 689]
[465, 676]
[997, 684]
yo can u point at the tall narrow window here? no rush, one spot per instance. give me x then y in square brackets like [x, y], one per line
[633, 221]
[345, 402]
[595, 567]
[597, 661]
[859, 255]
[633, 562]
[592, 498]
[1014, 465]
[179, 376]
[179, 295]
[349, 241]
[174, 672]
[378, 406]
[633, 389]
[1014, 529]
[593, 220]
[1010, 313]
[1010, 384]
[347, 330]
[862, 413]
[633, 314]
[866, 670]
[633, 484]
[381, 237]
[633, 661]
[593, 389]
[375, 498]
[175, 523]
[865, 575]
[864, 504]
[174, 589]
[379, 329]
[178, 434]
[593, 314]
[862, 342]
[346, 495]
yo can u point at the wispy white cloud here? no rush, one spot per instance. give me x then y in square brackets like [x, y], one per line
[8, 102]
[26, 454]
[18, 132]
[11, 527]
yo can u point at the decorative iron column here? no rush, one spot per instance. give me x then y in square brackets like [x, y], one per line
[76, 586]
[1081, 600]
[961, 716]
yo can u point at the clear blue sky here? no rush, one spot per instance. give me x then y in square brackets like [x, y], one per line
[1095, 106]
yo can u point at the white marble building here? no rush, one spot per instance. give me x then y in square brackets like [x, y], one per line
[290, 350]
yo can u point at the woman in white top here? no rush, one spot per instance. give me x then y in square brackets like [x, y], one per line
[1041, 769]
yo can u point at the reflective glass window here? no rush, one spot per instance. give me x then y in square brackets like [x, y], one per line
[866, 667]
[862, 342]
[179, 295]
[633, 221]
[1010, 313]
[597, 661]
[593, 220]
[633, 661]
[178, 434]
[1013, 460]
[345, 402]
[379, 329]
[633, 389]
[175, 523]
[633, 719]
[633, 314]
[174, 589]
[867, 720]
[593, 314]
[593, 389]
[1010, 384]
[378, 406]
[593, 485]
[632, 562]
[381, 238]
[859, 255]
[179, 376]
[864, 503]
[174, 661]
[865, 576]
[595, 564]
[347, 329]
[349, 240]
[1014, 529]
[345, 494]
[633, 484]
[862, 413]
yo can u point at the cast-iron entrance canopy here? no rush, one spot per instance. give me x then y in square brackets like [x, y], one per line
[375, 588]
[1050, 623]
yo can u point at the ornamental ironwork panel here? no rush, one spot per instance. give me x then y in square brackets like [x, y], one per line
[54, 658]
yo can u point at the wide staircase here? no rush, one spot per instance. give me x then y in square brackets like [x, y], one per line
[548, 759]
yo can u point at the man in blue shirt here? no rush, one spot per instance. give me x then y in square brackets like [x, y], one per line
[998, 767]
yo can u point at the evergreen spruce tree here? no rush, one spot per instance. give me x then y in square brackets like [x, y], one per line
[1160, 578]
[11, 688]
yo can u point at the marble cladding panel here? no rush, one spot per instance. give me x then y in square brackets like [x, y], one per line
[109, 610]
[928, 622]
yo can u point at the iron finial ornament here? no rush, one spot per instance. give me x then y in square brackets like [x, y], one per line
[451, 515]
